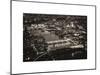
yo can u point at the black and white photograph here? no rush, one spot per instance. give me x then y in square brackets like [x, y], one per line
[50, 37]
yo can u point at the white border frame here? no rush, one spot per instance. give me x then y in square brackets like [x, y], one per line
[92, 32]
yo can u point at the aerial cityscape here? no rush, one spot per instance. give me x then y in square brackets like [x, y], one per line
[48, 37]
